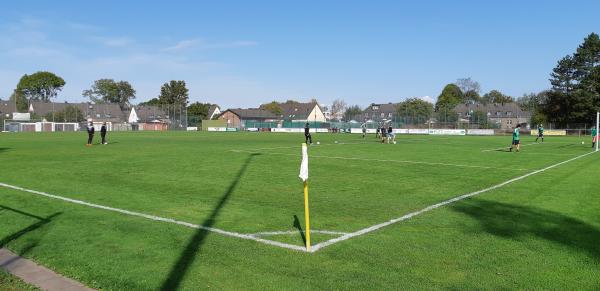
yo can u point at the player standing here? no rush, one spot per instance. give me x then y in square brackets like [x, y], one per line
[540, 133]
[307, 136]
[516, 138]
[594, 136]
[90, 131]
[103, 133]
[364, 129]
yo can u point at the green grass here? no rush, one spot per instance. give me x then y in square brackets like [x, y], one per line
[539, 232]
[9, 282]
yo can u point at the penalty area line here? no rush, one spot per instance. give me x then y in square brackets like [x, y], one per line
[438, 205]
[384, 161]
[158, 218]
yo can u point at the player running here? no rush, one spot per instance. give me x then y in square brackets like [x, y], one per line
[540, 133]
[594, 136]
[307, 136]
[391, 135]
[516, 139]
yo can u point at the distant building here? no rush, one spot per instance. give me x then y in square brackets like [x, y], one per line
[302, 112]
[106, 112]
[7, 108]
[213, 111]
[378, 112]
[237, 117]
[506, 115]
[151, 117]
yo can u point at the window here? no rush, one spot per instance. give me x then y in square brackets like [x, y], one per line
[382, 114]
[375, 107]
[508, 113]
[498, 113]
[390, 114]
[97, 115]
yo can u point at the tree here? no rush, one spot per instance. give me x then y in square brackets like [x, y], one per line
[449, 98]
[497, 97]
[40, 86]
[468, 84]
[272, 107]
[415, 110]
[69, 114]
[20, 101]
[199, 109]
[575, 94]
[151, 102]
[351, 112]
[338, 107]
[109, 91]
[472, 97]
[174, 92]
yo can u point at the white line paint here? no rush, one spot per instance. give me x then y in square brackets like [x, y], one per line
[387, 161]
[312, 145]
[268, 233]
[503, 148]
[158, 218]
[438, 205]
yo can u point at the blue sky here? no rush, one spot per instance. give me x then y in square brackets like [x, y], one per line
[243, 53]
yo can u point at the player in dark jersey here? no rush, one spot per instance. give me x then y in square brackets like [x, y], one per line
[307, 136]
[90, 131]
[103, 133]
[516, 141]
[540, 133]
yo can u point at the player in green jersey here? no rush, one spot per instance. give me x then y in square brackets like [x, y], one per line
[516, 139]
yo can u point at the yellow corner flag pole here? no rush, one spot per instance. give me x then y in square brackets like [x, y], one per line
[306, 215]
[304, 176]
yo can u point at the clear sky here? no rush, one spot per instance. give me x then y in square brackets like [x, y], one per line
[243, 53]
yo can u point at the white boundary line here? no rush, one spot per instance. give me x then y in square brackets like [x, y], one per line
[438, 205]
[158, 218]
[316, 247]
[267, 233]
[496, 149]
[387, 161]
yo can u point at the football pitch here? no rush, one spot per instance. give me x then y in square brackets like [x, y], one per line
[196, 210]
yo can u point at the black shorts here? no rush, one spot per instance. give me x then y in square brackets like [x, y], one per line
[540, 134]
[516, 141]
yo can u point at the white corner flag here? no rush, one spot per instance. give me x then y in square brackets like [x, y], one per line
[304, 164]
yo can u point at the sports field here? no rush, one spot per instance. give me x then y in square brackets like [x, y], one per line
[192, 210]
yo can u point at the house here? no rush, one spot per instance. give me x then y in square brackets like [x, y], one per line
[213, 111]
[302, 112]
[506, 115]
[106, 112]
[151, 117]
[378, 112]
[7, 108]
[237, 117]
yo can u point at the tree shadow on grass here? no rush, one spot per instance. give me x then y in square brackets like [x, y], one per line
[513, 221]
[16, 235]
[186, 258]
[3, 149]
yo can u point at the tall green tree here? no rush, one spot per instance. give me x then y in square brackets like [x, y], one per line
[272, 107]
[110, 91]
[414, 110]
[20, 101]
[151, 102]
[496, 96]
[199, 109]
[174, 92]
[450, 97]
[575, 94]
[352, 112]
[40, 86]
